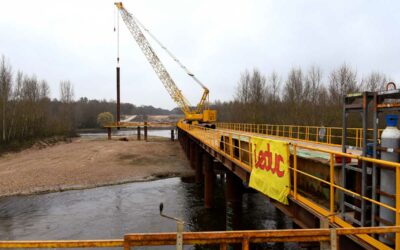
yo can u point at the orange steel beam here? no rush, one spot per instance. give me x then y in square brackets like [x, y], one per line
[62, 244]
[251, 236]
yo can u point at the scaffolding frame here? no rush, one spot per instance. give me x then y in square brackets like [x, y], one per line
[363, 103]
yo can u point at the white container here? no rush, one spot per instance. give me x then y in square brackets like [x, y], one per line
[390, 139]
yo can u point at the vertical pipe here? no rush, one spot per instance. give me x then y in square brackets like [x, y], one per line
[245, 244]
[145, 131]
[118, 97]
[109, 133]
[295, 170]
[375, 142]
[397, 202]
[334, 239]
[344, 141]
[230, 145]
[331, 187]
[179, 235]
[364, 153]
[324, 223]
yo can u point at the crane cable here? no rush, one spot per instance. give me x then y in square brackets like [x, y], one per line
[170, 54]
[116, 21]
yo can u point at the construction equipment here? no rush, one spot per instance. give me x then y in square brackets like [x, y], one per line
[199, 114]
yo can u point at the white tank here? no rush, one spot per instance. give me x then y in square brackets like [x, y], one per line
[390, 139]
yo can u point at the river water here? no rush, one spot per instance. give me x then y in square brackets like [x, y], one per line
[112, 211]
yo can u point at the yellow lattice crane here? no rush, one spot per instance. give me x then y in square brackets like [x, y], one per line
[201, 113]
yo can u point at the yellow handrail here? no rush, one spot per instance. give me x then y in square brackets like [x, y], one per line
[316, 134]
[222, 138]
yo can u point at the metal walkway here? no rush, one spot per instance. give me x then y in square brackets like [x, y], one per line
[231, 145]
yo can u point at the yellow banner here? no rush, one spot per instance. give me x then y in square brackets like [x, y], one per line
[270, 171]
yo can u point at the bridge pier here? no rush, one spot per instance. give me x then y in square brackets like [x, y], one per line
[209, 180]
[145, 131]
[233, 196]
[199, 164]
[192, 154]
[187, 146]
[109, 133]
[138, 133]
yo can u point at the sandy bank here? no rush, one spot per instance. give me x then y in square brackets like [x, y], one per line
[87, 163]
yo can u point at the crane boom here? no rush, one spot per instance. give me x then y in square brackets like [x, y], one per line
[198, 114]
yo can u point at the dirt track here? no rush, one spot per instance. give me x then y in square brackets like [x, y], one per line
[86, 163]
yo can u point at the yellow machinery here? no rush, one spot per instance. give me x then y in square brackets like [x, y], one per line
[199, 114]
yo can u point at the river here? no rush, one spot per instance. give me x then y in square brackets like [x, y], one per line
[112, 211]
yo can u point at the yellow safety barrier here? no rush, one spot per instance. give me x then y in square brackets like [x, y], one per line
[221, 238]
[315, 134]
[236, 146]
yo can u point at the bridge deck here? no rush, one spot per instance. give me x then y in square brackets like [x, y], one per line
[233, 148]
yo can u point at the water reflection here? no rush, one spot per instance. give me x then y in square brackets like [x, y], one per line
[110, 212]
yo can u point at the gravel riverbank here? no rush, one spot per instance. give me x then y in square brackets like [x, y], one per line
[87, 163]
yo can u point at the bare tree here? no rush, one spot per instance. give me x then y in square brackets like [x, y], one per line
[274, 86]
[312, 84]
[66, 92]
[374, 82]
[66, 98]
[243, 88]
[342, 81]
[44, 90]
[257, 87]
[5, 91]
[294, 87]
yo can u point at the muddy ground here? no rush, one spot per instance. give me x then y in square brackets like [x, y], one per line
[87, 163]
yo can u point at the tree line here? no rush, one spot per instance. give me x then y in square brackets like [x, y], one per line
[28, 113]
[304, 97]
[25, 107]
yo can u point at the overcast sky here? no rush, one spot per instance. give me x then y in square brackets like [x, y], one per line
[217, 40]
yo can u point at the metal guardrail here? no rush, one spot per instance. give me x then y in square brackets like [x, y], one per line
[62, 244]
[225, 238]
[221, 238]
[237, 147]
[141, 124]
[315, 134]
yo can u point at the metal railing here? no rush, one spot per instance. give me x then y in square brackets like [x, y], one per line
[315, 134]
[225, 238]
[62, 244]
[141, 124]
[221, 238]
[236, 146]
